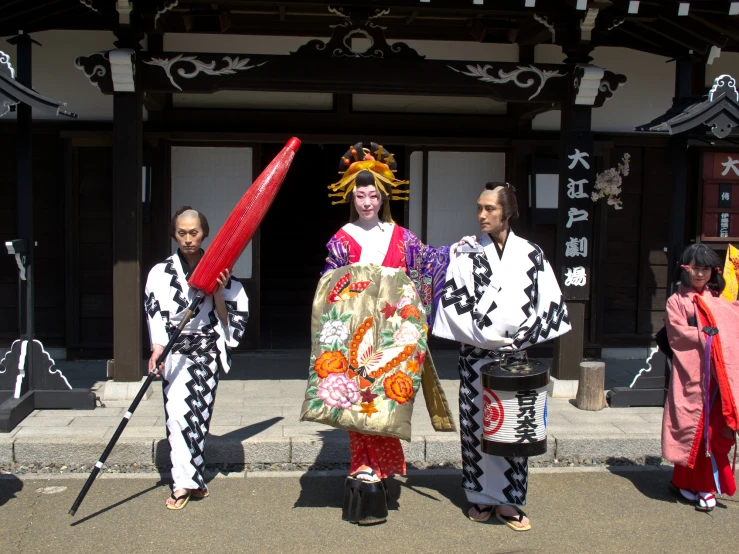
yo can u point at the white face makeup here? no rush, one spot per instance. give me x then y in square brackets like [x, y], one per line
[367, 202]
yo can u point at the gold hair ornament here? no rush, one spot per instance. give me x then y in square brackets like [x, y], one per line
[385, 180]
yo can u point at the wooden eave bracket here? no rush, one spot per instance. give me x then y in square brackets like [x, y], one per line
[594, 85]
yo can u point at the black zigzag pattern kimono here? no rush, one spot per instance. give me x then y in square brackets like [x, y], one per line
[496, 301]
[191, 372]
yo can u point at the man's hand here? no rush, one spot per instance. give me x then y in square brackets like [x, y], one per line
[156, 351]
[471, 241]
[222, 280]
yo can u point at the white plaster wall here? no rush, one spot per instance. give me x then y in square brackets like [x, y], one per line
[198, 172]
[646, 95]
[727, 63]
[415, 203]
[55, 75]
[455, 180]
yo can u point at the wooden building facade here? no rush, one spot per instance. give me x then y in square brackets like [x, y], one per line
[222, 86]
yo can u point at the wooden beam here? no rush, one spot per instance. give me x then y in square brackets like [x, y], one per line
[724, 30]
[52, 15]
[685, 28]
[341, 121]
[673, 38]
[35, 6]
[309, 69]
[661, 48]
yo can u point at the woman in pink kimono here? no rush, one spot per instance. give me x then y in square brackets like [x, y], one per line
[699, 452]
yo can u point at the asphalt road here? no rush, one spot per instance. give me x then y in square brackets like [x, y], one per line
[583, 512]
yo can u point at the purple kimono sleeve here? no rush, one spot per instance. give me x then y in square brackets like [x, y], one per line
[427, 269]
[338, 255]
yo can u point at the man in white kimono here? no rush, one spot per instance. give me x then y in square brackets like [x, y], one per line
[203, 349]
[499, 297]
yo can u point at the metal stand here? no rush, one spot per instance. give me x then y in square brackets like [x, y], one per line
[28, 380]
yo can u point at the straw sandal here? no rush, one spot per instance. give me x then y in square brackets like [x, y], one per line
[197, 494]
[184, 497]
[484, 512]
[511, 520]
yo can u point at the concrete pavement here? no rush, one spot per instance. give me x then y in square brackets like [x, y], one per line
[571, 512]
[255, 422]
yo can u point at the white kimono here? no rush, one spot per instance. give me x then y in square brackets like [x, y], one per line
[190, 376]
[496, 302]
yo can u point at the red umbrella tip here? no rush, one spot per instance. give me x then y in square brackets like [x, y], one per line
[293, 144]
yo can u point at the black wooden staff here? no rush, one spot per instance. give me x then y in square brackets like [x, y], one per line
[108, 449]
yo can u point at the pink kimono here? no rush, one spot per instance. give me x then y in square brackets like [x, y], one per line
[683, 432]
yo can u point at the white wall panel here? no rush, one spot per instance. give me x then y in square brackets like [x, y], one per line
[212, 180]
[455, 181]
[415, 206]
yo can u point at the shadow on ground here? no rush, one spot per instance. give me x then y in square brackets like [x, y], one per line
[10, 485]
[656, 485]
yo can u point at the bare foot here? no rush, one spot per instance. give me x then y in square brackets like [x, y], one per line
[200, 493]
[480, 512]
[180, 495]
[508, 511]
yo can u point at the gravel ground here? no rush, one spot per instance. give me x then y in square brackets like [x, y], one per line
[20, 469]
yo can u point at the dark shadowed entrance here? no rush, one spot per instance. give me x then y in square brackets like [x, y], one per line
[293, 240]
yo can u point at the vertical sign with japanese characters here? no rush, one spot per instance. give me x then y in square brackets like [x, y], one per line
[574, 231]
[724, 218]
[720, 196]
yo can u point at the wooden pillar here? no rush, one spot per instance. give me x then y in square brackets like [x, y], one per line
[679, 161]
[24, 156]
[127, 291]
[574, 229]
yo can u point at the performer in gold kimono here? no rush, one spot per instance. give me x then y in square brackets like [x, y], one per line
[379, 289]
